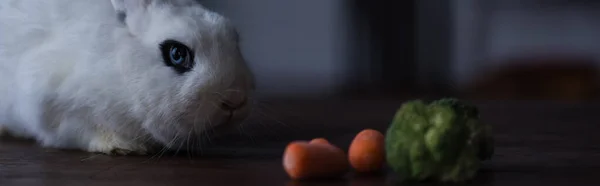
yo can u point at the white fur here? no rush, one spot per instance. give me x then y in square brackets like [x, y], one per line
[73, 76]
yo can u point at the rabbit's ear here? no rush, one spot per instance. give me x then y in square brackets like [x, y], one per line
[127, 6]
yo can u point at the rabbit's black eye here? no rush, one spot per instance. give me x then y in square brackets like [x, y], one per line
[177, 55]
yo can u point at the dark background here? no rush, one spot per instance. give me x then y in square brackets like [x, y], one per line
[377, 54]
[496, 49]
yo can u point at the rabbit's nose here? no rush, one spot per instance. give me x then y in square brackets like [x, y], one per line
[233, 100]
[229, 105]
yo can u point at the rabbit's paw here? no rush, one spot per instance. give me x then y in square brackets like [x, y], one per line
[114, 146]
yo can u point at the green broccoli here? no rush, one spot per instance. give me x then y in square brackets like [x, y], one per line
[443, 140]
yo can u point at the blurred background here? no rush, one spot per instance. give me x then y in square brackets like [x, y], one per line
[476, 49]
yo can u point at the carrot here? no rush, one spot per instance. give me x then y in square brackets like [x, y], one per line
[304, 160]
[367, 152]
[319, 141]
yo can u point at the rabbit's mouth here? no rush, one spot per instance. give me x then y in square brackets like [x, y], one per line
[196, 128]
[232, 119]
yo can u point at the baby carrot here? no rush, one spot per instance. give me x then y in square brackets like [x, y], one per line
[367, 152]
[319, 141]
[303, 160]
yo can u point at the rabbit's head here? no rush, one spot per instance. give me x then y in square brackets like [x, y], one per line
[189, 75]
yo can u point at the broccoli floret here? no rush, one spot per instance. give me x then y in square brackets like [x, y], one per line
[480, 133]
[462, 107]
[443, 140]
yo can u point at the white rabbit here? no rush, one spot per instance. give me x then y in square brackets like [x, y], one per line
[119, 76]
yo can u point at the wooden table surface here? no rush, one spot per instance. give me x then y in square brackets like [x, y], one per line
[537, 143]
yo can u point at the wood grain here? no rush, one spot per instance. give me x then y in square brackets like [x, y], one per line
[538, 143]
